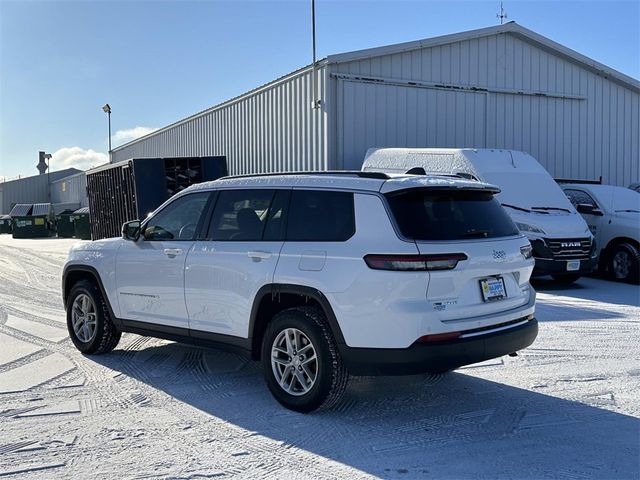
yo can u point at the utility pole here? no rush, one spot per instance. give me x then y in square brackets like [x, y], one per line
[315, 103]
[502, 15]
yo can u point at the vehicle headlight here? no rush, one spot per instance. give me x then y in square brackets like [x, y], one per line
[525, 227]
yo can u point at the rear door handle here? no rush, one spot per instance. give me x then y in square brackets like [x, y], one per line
[258, 255]
[172, 252]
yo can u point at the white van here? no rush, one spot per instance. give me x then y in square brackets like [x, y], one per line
[562, 243]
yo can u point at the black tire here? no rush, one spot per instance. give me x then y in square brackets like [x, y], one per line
[627, 253]
[566, 279]
[106, 335]
[331, 377]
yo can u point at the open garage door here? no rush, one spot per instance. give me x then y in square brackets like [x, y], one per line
[372, 114]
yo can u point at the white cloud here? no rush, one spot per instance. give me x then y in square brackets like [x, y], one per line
[76, 157]
[124, 136]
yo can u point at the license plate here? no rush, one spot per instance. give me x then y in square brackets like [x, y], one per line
[493, 289]
[573, 265]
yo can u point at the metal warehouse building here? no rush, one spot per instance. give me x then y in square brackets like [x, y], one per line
[498, 87]
[35, 189]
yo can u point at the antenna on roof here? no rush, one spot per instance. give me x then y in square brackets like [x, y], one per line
[502, 15]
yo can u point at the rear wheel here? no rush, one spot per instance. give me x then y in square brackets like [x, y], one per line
[88, 320]
[302, 366]
[566, 279]
[624, 263]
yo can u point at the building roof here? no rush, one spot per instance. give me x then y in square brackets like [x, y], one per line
[511, 28]
[53, 176]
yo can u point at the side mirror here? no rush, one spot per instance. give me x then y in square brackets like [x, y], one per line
[131, 230]
[589, 209]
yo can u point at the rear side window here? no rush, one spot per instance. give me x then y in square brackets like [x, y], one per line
[240, 215]
[449, 215]
[320, 216]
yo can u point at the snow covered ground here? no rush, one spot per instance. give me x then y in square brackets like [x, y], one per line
[567, 407]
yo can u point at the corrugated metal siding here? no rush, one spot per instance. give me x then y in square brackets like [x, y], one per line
[34, 189]
[273, 129]
[587, 127]
[26, 190]
[72, 189]
[375, 115]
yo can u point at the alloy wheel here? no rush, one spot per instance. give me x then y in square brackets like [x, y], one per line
[294, 361]
[83, 318]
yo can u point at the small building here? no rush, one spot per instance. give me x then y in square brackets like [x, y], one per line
[70, 191]
[30, 190]
[501, 87]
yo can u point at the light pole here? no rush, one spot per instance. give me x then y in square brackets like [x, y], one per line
[107, 109]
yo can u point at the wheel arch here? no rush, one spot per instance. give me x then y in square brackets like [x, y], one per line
[74, 273]
[614, 242]
[275, 297]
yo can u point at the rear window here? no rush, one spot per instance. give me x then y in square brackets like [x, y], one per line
[449, 215]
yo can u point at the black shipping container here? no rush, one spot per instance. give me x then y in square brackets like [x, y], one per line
[130, 190]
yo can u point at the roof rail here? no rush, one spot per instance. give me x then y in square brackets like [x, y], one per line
[355, 173]
[586, 182]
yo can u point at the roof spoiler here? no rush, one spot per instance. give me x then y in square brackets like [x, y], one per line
[422, 171]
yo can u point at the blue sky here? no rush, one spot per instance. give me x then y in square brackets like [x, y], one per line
[158, 61]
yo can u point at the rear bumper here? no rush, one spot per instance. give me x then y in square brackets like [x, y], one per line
[548, 266]
[438, 357]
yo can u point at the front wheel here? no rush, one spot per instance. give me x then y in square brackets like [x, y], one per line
[302, 366]
[88, 320]
[566, 279]
[624, 263]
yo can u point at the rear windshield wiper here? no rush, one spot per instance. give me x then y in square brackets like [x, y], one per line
[515, 208]
[476, 233]
[551, 208]
[628, 210]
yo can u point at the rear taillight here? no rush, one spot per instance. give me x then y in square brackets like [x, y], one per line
[526, 251]
[445, 261]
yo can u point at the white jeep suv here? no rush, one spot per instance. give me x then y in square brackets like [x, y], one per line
[319, 275]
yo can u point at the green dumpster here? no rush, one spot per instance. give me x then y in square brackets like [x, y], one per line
[65, 224]
[81, 223]
[5, 224]
[33, 221]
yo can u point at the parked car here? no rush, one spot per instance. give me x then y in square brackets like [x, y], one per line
[317, 275]
[613, 215]
[562, 244]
